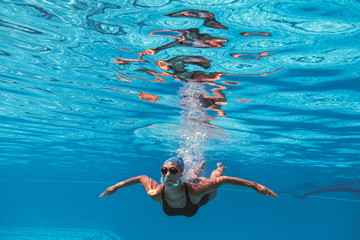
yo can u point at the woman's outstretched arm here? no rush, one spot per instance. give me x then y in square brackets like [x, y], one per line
[212, 184]
[151, 187]
[257, 187]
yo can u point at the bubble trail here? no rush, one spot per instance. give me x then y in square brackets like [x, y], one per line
[193, 134]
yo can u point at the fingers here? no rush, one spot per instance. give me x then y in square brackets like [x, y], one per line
[103, 194]
[271, 193]
[109, 191]
[267, 192]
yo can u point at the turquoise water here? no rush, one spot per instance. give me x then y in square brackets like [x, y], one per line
[95, 92]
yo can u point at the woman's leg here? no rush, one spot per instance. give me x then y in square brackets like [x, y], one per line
[198, 171]
[218, 172]
[215, 174]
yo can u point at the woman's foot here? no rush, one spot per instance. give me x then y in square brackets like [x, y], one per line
[200, 169]
[219, 171]
[221, 168]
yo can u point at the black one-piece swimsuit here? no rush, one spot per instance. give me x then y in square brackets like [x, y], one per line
[189, 210]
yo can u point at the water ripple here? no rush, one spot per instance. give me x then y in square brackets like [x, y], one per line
[214, 2]
[172, 23]
[305, 18]
[151, 3]
[338, 101]
[325, 27]
[18, 27]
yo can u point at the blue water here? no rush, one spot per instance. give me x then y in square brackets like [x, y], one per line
[95, 92]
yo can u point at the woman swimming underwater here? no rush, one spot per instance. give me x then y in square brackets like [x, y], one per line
[185, 198]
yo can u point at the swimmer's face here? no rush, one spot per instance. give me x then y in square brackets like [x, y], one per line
[170, 179]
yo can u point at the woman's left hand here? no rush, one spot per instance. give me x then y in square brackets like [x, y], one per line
[264, 190]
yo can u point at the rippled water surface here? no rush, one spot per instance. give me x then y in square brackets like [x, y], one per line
[93, 92]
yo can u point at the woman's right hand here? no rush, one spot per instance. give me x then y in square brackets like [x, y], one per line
[109, 191]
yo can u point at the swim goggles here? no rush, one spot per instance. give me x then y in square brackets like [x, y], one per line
[172, 170]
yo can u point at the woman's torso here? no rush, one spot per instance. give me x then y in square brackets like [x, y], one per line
[183, 205]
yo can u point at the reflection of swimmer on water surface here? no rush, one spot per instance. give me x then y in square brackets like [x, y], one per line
[183, 38]
[208, 17]
[179, 197]
[141, 95]
[186, 38]
[178, 66]
[211, 102]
